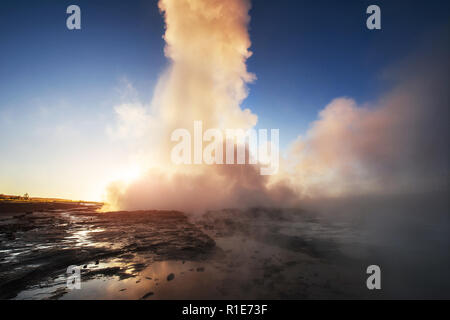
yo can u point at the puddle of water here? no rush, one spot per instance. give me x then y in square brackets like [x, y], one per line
[191, 280]
[187, 283]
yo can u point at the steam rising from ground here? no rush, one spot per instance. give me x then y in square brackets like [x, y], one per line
[397, 144]
[207, 44]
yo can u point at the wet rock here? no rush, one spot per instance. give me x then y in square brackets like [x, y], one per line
[55, 240]
[139, 266]
[147, 295]
[170, 277]
[58, 293]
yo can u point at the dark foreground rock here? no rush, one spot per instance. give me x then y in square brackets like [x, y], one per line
[41, 245]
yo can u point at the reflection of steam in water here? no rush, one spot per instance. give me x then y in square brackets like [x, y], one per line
[190, 280]
[187, 282]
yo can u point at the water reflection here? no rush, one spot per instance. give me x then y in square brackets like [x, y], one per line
[83, 237]
[188, 283]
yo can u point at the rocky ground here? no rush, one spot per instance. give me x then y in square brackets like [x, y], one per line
[228, 254]
[38, 246]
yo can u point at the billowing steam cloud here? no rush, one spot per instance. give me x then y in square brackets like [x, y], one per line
[398, 144]
[207, 43]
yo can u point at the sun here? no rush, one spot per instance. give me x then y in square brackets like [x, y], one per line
[128, 174]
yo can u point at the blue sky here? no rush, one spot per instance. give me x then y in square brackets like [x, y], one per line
[58, 87]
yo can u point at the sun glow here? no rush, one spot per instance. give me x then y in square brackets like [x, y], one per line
[124, 175]
[128, 174]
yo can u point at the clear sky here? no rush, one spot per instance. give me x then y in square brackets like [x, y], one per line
[58, 88]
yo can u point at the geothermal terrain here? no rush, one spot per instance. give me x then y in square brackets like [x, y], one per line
[257, 253]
